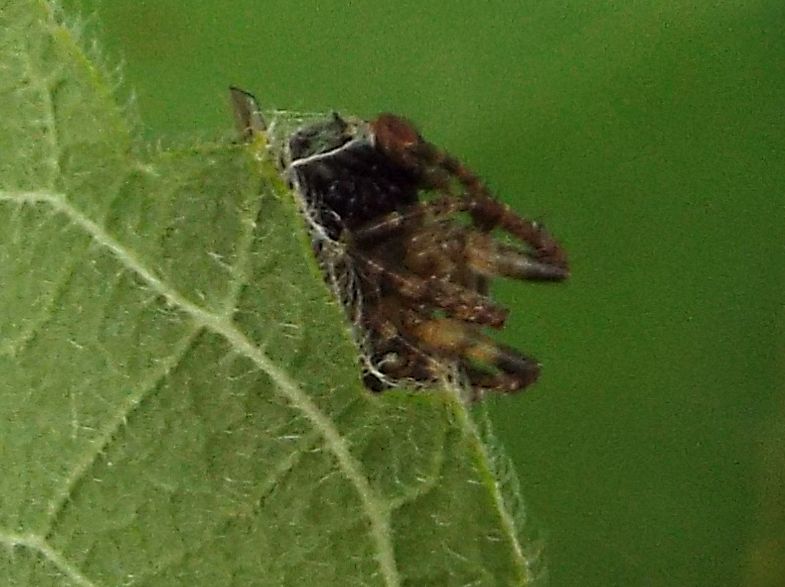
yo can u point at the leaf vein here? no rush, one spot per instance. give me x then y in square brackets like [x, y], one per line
[49, 121]
[106, 435]
[13, 346]
[40, 545]
[239, 270]
[375, 509]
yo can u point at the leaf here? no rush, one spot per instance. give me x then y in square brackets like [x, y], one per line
[179, 400]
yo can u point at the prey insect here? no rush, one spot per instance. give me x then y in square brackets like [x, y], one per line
[405, 235]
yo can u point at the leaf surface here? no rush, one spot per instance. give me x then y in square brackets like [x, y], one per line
[179, 399]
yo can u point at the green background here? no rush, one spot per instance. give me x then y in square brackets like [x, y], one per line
[650, 137]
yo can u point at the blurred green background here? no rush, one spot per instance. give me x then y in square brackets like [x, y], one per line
[650, 137]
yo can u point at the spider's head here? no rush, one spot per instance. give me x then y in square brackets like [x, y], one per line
[394, 134]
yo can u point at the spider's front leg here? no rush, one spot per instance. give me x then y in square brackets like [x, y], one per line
[489, 213]
[438, 170]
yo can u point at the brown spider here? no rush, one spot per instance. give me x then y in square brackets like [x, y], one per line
[403, 232]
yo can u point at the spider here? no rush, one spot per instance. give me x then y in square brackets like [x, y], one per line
[404, 233]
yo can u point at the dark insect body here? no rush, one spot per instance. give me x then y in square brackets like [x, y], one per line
[403, 232]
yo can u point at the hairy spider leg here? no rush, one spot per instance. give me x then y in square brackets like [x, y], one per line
[459, 302]
[489, 258]
[394, 355]
[408, 217]
[481, 381]
[447, 336]
[399, 139]
[462, 255]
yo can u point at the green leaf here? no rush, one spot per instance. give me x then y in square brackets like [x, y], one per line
[179, 396]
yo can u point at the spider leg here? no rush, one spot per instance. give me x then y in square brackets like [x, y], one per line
[410, 216]
[483, 254]
[399, 139]
[549, 255]
[392, 354]
[489, 213]
[487, 257]
[449, 337]
[482, 381]
[456, 300]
